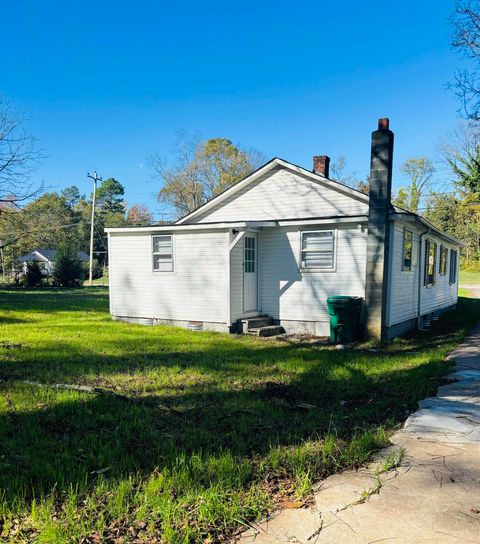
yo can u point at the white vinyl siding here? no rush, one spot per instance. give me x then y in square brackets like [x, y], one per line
[317, 250]
[403, 284]
[283, 194]
[197, 290]
[288, 293]
[236, 285]
[442, 294]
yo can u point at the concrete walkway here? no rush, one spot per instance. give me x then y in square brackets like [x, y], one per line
[433, 496]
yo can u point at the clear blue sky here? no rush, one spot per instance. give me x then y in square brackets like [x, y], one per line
[108, 83]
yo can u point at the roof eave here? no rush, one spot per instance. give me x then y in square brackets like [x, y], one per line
[414, 218]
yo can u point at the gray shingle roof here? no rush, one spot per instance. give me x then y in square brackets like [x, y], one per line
[48, 254]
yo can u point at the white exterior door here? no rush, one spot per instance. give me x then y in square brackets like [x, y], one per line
[250, 283]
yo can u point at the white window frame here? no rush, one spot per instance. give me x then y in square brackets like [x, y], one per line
[426, 263]
[407, 268]
[250, 261]
[443, 251]
[155, 270]
[453, 269]
[334, 260]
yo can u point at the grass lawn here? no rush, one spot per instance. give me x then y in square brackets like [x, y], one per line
[99, 282]
[469, 278]
[206, 432]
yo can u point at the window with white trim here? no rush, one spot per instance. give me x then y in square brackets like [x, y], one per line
[430, 263]
[407, 249]
[162, 250]
[443, 260]
[318, 250]
[453, 266]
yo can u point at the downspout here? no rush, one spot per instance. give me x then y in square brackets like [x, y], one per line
[419, 297]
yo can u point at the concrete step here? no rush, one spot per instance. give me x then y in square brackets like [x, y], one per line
[256, 322]
[268, 330]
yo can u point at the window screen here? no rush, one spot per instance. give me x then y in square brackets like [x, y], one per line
[317, 250]
[162, 253]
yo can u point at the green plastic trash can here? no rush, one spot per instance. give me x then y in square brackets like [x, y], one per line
[344, 314]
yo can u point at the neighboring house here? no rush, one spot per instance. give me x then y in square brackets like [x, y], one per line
[279, 243]
[46, 259]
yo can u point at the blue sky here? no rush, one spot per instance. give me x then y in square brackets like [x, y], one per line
[108, 83]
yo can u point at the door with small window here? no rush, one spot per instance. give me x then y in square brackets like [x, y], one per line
[250, 273]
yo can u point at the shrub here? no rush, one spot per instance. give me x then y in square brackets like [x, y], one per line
[97, 270]
[33, 274]
[68, 270]
[470, 266]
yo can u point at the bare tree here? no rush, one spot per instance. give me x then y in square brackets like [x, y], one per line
[203, 169]
[18, 157]
[351, 179]
[466, 39]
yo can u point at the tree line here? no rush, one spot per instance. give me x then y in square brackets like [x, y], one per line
[32, 218]
[53, 219]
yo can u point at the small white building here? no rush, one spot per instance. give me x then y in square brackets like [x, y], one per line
[45, 259]
[278, 244]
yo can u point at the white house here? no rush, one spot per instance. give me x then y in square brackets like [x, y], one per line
[278, 244]
[45, 259]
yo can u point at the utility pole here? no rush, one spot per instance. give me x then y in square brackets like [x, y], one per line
[95, 179]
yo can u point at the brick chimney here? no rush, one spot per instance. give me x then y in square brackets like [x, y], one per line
[321, 165]
[380, 190]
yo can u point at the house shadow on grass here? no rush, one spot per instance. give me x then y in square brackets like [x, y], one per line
[241, 397]
[70, 438]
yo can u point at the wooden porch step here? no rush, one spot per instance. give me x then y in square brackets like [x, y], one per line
[256, 322]
[267, 330]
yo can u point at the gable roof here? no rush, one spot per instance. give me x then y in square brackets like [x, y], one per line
[395, 211]
[48, 255]
[269, 166]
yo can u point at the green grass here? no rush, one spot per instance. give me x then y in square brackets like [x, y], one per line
[99, 282]
[210, 432]
[469, 278]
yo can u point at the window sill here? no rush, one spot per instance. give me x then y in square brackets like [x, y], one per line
[309, 270]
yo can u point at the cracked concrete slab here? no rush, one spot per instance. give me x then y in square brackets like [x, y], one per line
[432, 497]
[455, 412]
